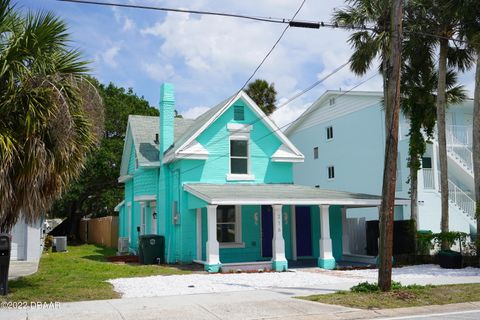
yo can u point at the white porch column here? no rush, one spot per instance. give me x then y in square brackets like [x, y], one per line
[213, 249]
[279, 261]
[345, 235]
[199, 233]
[326, 260]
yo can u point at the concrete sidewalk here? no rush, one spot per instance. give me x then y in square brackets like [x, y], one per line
[231, 306]
[19, 269]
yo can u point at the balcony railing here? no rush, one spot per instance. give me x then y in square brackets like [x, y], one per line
[428, 179]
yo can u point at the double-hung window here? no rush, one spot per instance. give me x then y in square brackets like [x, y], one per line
[229, 229]
[329, 133]
[239, 156]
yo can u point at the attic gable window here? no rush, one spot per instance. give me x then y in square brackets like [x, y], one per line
[238, 113]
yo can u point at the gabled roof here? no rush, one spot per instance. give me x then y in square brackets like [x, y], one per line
[322, 99]
[206, 119]
[141, 131]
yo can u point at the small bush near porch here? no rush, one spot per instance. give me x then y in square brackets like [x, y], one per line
[77, 275]
[364, 297]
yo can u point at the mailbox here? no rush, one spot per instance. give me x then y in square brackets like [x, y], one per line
[5, 247]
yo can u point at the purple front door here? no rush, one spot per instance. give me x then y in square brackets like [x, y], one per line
[304, 231]
[267, 231]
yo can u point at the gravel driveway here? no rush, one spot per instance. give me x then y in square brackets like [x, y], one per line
[295, 282]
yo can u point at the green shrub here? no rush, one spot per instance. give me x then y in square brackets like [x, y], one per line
[424, 242]
[48, 243]
[365, 287]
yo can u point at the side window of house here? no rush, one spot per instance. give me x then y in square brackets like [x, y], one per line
[331, 172]
[239, 156]
[315, 153]
[332, 101]
[426, 163]
[329, 133]
[238, 113]
[226, 224]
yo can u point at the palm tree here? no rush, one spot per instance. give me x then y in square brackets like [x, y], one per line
[444, 21]
[263, 94]
[50, 114]
[419, 83]
[384, 42]
[471, 32]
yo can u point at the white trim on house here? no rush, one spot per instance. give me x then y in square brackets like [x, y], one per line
[284, 154]
[265, 119]
[149, 165]
[148, 197]
[194, 150]
[125, 178]
[118, 206]
[240, 177]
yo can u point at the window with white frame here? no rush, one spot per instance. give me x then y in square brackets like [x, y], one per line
[229, 224]
[329, 133]
[315, 153]
[332, 101]
[239, 156]
[331, 172]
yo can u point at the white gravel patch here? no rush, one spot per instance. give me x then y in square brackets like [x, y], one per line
[310, 279]
[210, 283]
[419, 272]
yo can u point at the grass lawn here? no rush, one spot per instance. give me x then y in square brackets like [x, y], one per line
[76, 275]
[404, 297]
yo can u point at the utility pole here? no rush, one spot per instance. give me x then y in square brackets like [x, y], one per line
[392, 111]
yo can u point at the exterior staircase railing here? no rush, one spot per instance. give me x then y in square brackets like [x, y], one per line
[459, 151]
[462, 200]
[456, 195]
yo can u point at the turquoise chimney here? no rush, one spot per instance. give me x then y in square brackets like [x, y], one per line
[167, 113]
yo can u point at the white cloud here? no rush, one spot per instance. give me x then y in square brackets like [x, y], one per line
[194, 112]
[122, 19]
[109, 56]
[157, 71]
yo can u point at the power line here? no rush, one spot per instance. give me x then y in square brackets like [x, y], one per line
[281, 106]
[291, 22]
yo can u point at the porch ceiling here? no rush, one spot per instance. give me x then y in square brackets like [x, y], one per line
[286, 194]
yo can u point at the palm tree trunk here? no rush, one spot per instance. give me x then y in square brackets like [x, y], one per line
[414, 204]
[476, 148]
[442, 144]
[392, 107]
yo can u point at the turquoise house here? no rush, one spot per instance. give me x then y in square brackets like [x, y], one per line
[220, 189]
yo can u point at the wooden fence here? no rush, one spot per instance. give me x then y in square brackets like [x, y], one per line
[102, 231]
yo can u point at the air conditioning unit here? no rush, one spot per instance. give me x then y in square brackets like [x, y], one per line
[123, 245]
[60, 243]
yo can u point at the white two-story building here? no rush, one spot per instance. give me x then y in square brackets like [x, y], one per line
[342, 136]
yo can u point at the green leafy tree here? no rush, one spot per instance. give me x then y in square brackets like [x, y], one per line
[51, 116]
[97, 191]
[264, 95]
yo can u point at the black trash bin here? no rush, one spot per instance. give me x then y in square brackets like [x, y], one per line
[151, 249]
[5, 248]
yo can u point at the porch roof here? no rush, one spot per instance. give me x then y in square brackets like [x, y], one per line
[286, 194]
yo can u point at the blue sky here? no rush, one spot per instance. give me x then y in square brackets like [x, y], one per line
[209, 58]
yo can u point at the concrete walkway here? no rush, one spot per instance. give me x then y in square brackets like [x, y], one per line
[21, 269]
[231, 306]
